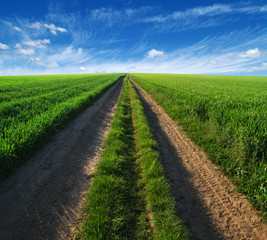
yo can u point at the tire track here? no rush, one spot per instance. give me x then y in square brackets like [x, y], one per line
[43, 198]
[206, 198]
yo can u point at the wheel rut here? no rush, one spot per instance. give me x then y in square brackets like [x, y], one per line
[205, 197]
[43, 198]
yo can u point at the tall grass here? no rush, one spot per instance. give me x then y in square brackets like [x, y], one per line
[226, 116]
[32, 108]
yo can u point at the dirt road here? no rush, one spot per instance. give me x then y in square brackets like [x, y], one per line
[43, 198]
[206, 198]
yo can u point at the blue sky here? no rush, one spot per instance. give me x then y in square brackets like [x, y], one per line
[79, 36]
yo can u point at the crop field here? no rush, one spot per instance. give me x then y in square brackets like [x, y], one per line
[32, 108]
[226, 116]
[129, 166]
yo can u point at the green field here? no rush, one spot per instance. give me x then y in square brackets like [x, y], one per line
[130, 197]
[226, 116]
[32, 108]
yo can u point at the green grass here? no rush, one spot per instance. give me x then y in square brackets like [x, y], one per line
[113, 203]
[159, 198]
[224, 115]
[32, 108]
[129, 185]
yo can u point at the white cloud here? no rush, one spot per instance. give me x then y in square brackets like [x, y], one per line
[54, 29]
[39, 62]
[154, 53]
[82, 68]
[18, 29]
[251, 53]
[37, 43]
[4, 46]
[18, 45]
[26, 51]
[263, 66]
[35, 25]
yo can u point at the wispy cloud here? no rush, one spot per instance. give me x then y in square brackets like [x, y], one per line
[201, 17]
[124, 17]
[213, 10]
[213, 61]
[207, 56]
[69, 56]
[92, 28]
[121, 40]
[261, 67]
[39, 62]
[18, 29]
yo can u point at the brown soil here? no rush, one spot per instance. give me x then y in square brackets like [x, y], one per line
[43, 198]
[206, 198]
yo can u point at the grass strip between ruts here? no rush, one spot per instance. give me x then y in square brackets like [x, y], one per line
[129, 197]
[167, 225]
